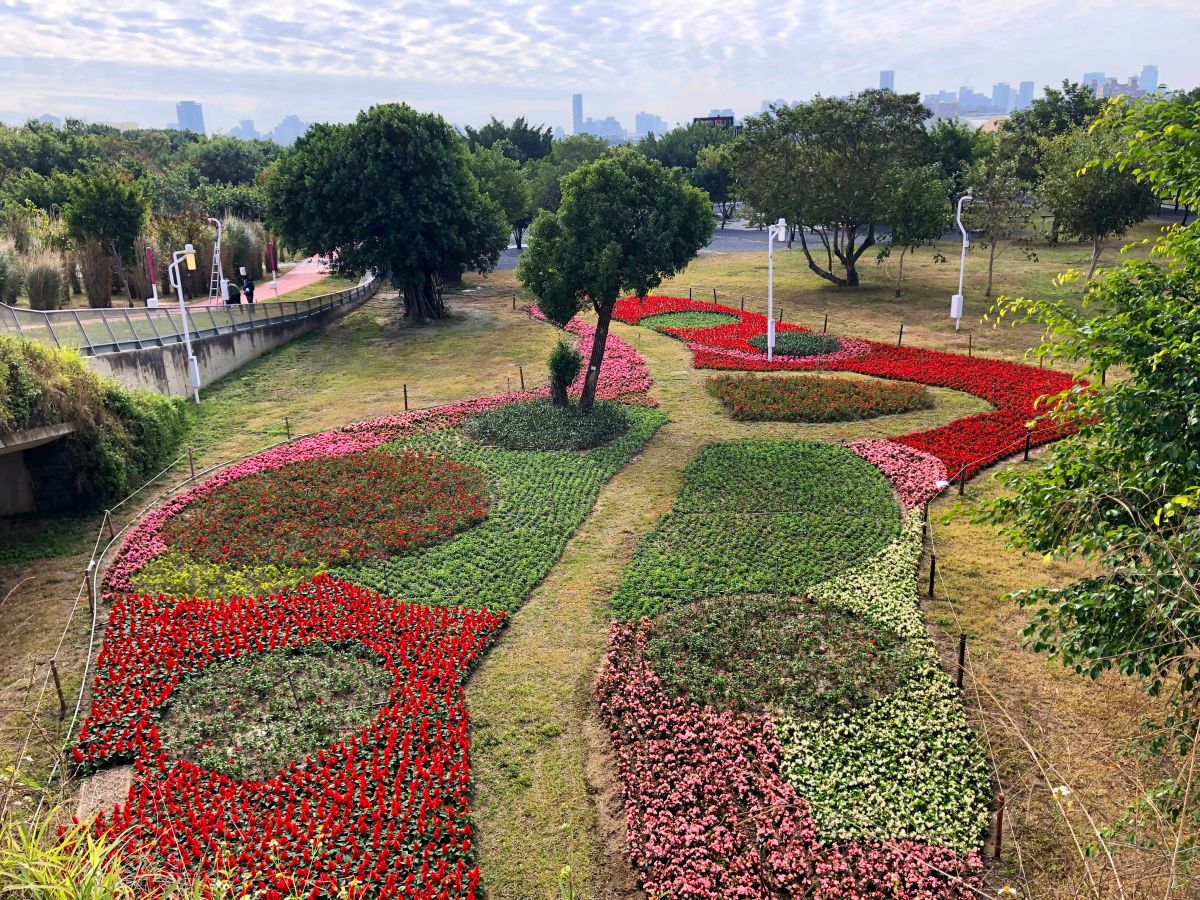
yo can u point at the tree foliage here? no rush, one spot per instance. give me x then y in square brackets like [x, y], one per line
[524, 142]
[919, 214]
[1124, 491]
[1024, 135]
[999, 208]
[391, 193]
[625, 224]
[956, 146]
[713, 174]
[501, 179]
[106, 209]
[227, 160]
[565, 157]
[826, 165]
[681, 146]
[1092, 202]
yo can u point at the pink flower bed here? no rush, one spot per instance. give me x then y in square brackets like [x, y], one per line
[710, 816]
[623, 376]
[913, 473]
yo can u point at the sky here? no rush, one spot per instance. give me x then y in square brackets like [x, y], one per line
[324, 60]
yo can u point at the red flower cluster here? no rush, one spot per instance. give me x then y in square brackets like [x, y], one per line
[332, 509]
[711, 817]
[383, 813]
[965, 446]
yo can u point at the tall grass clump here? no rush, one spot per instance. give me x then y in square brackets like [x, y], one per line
[43, 281]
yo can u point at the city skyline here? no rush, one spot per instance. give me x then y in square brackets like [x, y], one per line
[470, 59]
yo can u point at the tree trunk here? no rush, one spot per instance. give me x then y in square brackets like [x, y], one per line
[124, 279]
[588, 397]
[422, 301]
[559, 395]
[1187, 211]
[518, 236]
[1097, 249]
[1054, 230]
[824, 273]
[900, 272]
[991, 263]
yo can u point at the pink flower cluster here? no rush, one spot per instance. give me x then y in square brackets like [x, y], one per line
[623, 376]
[913, 473]
[709, 815]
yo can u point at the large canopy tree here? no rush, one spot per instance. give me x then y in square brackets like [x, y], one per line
[501, 179]
[391, 193]
[826, 167]
[520, 141]
[680, 147]
[105, 209]
[565, 157]
[624, 225]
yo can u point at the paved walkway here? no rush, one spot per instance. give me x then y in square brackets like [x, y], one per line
[300, 275]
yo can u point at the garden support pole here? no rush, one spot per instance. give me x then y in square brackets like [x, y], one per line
[932, 573]
[825, 326]
[962, 660]
[521, 372]
[287, 427]
[62, 703]
[192, 463]
[999, 824]
[900, 339]
[406, 398]
[1028, 439]
[970, 341]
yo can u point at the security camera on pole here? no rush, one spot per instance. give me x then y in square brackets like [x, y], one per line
[956, 302]
[187, 253]
[778, 231]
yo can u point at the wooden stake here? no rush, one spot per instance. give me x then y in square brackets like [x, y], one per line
[932, 572]
[514, 302]
[825, 326]
[780, 312]
[406, 398]
[743, 304]
[90, 586]
[999, 823]
[1103, 376]
[62, 703]
[1028, 439]
[287, 427]
[689, 293]
[962, 481]
[295, 696]
[962, 660]
[714, 295]
[112, 535]
[970, 341]
[192, 463]
[521, 370]
[901, 337]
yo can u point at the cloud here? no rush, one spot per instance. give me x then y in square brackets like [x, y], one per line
[327, 58]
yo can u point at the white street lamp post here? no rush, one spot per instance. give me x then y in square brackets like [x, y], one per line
[779, 232]
[956, 302]
[187, 253]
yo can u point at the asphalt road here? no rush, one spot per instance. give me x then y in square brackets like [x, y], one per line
[731, 239]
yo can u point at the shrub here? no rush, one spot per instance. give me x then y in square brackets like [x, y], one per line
[800, 398]
[97, 267]
[10, 277]
[565, 363]
[799, 343]
[540, 425]
[44, 281]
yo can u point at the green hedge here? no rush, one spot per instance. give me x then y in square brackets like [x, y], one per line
[122, 437]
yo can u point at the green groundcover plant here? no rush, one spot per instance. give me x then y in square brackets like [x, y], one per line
[688, 319]
[806, 398]
[250, 716]
[758, 517]
[798, 343]
[540, 425]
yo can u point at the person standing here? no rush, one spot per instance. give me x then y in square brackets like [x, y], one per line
[247, 286]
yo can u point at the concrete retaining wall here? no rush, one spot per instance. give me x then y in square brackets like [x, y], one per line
[164, 369]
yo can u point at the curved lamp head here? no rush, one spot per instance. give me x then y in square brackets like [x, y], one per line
[781, 229]
[191, 257]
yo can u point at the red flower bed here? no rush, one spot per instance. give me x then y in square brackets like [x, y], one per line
[382, 814]
[965, 446]
[332, 509]
[710, 817]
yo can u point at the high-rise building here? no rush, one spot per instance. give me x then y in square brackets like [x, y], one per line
[1002, 97]
[288, 130]
[189, 116]
[245, 130]
[1025, 95]
[1093, 80]
[577, 113]
[887, 80]
[1149, 79]
[648, 123]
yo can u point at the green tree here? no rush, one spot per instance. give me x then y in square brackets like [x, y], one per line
[1092, 202]
[714, 175]
[228, 160]
[956, 146]
[391, 193]
[625, 224]
[999, 208]
[501, 179]
[920, 212]
[680, 147]
[565, 157]
[525, 142]
[825, 166]
[1024, 134]
[1123, 492]
[106, 209]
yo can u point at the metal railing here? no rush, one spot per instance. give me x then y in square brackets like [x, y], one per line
[97, 331]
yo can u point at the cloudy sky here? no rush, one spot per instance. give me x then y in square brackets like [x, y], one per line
[122, 60]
